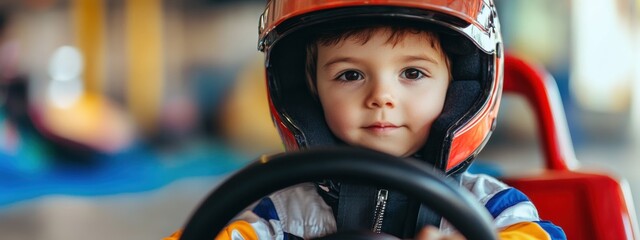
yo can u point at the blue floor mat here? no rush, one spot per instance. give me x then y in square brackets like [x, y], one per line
[135, 170]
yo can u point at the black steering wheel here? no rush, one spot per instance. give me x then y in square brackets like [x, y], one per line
[269, 174]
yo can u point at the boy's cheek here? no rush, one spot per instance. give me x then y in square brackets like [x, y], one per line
[338, 120]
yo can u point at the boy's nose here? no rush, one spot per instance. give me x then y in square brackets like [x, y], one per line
[380, 104]
[381, 97]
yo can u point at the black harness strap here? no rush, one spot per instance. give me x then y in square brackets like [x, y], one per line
[427, 216]
[356, 206]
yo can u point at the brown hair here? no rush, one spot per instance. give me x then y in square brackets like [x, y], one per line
[362, 36]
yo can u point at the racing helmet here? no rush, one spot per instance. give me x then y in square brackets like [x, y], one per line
[469, 33]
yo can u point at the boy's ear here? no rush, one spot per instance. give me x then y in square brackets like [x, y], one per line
[457, 45]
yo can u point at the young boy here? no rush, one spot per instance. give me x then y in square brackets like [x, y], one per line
[403, 79]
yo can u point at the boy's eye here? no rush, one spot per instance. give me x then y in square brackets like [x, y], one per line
[350, 76]
[412, 73]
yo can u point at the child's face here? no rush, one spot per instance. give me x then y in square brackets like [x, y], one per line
[380, 96]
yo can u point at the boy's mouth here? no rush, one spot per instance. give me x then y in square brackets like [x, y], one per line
[381, 127]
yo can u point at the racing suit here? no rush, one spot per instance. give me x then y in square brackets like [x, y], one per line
[300, 212]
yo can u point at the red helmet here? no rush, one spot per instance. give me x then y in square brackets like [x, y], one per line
[470, 36]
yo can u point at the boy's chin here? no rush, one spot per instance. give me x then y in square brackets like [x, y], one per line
[392, 151]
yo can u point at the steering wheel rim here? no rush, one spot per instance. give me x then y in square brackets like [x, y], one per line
[276, 172]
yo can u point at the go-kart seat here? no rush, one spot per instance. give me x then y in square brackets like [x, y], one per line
[586, 204]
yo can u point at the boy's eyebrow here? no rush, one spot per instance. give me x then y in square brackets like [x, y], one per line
[407, 58]
[337, 60]
[427, 58]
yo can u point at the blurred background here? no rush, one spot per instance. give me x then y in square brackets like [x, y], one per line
[118, 116]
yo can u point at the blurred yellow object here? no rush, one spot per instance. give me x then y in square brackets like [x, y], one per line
[89, 24]
[145, 76]
[246, 122]
[93, 121]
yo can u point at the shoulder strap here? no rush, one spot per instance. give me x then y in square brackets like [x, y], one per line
[356, 205]
[426, 216]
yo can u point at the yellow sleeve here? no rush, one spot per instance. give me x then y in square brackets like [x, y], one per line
[175, 236]
[238, 229]
[523, 231]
